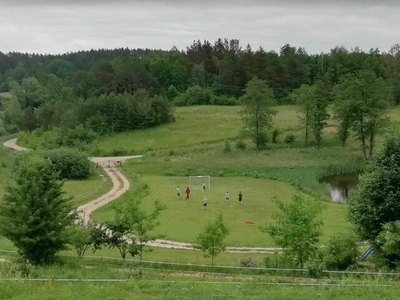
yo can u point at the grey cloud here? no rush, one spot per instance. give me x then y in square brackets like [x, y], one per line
[60, 27]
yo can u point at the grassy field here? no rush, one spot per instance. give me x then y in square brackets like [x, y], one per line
[168, 284]
[200, 125]
[184, 219]
[183, 288]
[193, 125]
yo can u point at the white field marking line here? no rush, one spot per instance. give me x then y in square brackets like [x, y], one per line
[88, 192]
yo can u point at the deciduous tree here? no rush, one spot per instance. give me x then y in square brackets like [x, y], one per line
[361, 102]
[376, 200]
[297, 228]
[258, 111]
[212, 239]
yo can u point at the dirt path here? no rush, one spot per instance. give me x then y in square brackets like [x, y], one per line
[120, 186]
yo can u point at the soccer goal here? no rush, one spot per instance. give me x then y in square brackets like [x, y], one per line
[200, 182]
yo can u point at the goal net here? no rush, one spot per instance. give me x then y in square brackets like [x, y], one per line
[199, 182]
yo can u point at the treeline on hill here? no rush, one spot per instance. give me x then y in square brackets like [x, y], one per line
[115, 90]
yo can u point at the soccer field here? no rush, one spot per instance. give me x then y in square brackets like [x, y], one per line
[184, 219]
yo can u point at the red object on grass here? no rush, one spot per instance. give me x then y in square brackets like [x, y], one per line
[249, 222]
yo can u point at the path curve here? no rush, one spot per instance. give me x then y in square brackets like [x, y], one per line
[120, 186]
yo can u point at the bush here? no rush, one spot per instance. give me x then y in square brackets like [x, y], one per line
[341, 252]
[290, 139]
[275, 135]
[316, 265]
[278, 260]
[227, 147]
[68, 163]
[240, 145]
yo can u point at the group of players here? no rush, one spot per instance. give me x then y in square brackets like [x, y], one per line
[205, 203]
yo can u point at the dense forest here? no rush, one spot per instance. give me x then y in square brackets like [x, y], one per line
[102, 91]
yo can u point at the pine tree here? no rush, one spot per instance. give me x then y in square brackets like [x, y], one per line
[35, 213]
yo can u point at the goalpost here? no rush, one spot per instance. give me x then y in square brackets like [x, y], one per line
[200, 182]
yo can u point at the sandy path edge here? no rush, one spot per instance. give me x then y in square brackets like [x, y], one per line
[120, 186]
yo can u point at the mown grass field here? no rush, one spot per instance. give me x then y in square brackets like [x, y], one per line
[184, 219]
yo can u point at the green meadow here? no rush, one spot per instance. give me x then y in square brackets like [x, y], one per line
[184, 219]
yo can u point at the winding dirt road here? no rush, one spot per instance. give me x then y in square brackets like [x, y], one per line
[120, 186]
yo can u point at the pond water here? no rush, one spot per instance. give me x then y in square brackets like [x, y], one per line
[341, 186]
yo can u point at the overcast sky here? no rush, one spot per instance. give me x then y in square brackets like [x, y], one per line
[51, 26]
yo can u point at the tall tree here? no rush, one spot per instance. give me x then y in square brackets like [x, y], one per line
[212, 239]
[319, 110]
[392, 62]
[376, 201]
[304, 97]
[258, 112]
[297, 228]
[132, 221]
[362, 101]
[35, 213]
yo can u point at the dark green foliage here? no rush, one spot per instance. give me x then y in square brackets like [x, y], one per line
[68, 163]
[361, 101]
[389, 244]
[121, 112]
[275, 135]
[241, 145]
[376, 201]
[227, 147]
[257, 114]
[341, 252]
[318, 114]
[290, 139]
[35, 213]
[194, 95]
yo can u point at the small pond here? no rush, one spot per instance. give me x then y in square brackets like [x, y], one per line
[341, 185]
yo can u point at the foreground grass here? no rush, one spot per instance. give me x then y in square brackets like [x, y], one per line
[184, 219]
[137, 282]
[183, 285]
[189, 289]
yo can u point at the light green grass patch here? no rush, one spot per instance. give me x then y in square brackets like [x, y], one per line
[193, 125]
[184, 219]
[87, 190]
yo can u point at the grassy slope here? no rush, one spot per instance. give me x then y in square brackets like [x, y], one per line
[202, 124]
[162, 170]
[194, 125]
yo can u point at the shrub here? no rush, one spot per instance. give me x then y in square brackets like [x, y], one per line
[240, 145]
[70, 163]
[227, 147]
[316, 265]
[289, 139]
[278, 260]
[341, 252]
[275, 135]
